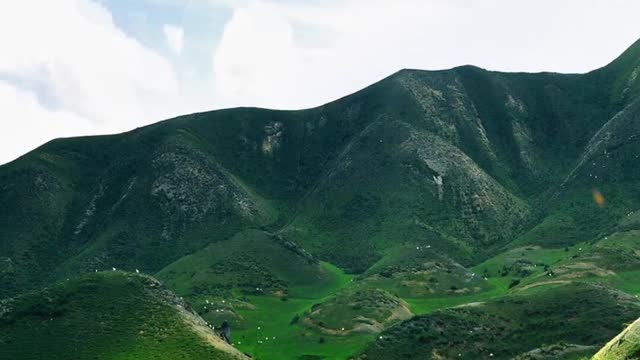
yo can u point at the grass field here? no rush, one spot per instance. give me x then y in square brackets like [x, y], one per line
[273, 336]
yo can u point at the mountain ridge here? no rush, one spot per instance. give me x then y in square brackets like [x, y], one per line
[486, 136]
[628, 55]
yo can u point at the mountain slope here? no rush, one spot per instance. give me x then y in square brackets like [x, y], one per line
[505, 328]
[252, 262]
[106, 316]
[624, 346]
[449, 156]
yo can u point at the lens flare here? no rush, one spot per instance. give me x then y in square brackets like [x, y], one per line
[598, 198]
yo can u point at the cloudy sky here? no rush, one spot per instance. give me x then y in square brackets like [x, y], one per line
[78, 67]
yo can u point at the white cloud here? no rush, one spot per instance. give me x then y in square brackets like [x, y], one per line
[22, 126]
[256, 61]
[175, 36]
[97, 79]
[287, 54]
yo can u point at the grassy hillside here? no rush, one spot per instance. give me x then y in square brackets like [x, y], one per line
[111, 315]
[507, 327]
[251, 262]
[624, 346]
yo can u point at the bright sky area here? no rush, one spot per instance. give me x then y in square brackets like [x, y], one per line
[82, 67]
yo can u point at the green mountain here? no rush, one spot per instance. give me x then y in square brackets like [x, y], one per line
[315, 231]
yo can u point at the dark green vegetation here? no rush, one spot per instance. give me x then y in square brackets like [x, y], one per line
[502, 328]
[343, 314]
[424, 191]
[251, 262]
[105, 316]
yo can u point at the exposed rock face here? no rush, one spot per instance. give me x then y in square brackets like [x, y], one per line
[5, 307]
[482, 202]
[620, 134]
[556, 351]
[90, 210]
[191, 186]
[273, 133]
[446, 107]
